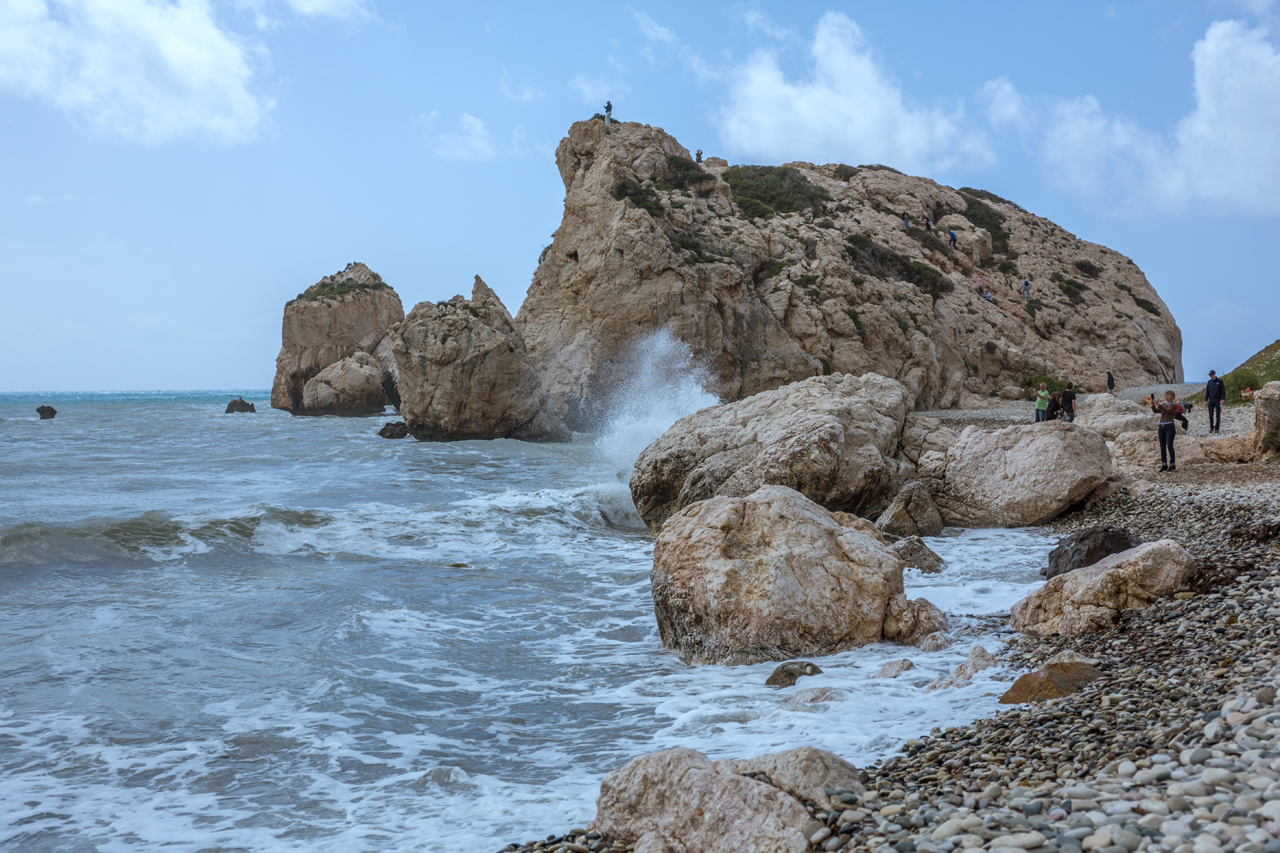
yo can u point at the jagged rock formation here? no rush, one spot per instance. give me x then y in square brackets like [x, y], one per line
[772, 276]
[464, 373]
[340, 315]
[240, 405]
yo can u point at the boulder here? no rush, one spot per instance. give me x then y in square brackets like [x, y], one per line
[394, 429]
[804, 772]
[1086, 547]
[1017, 476]
[978, 660]
[912, 513]
[1051, 681]
[344, 313]
[937, 641]
[1139, 452]
[1092, 598]
[774, 576]
[1266, 420]
[922, 434]
[916, 554]
[789, 673]
[239, 405]
[894, 668]
[909, 621]
[832, 438]
[680, 801]
[1109, 416]
[464, 373]
[350, 387]
[46, 413]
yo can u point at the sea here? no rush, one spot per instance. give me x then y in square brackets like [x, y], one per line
[261, 632]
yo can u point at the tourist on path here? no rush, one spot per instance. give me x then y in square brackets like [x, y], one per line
[1069, 403]
[1111, 384]
[1168, 410]
[1042, 402]
[951, 234]
[1214, 393]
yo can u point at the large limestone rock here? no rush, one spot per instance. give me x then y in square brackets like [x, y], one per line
[774, 576]
[464, 373]
[680, 801]
[832, 284]
[1086, 547]
[912, 513]
[350, 387]
[1091, 599]
[1016, 476]
[1266, 420]
[1139, 452]
[1109, 416]
[831, 438]
[344, 313]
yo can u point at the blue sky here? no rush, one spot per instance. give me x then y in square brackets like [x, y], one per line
[171, 173]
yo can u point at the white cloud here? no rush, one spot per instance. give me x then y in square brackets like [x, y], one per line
[341, 9]
[662, 37]
[759, 22]
[1005, 107]
[140, 70]
[595, 91]
[1225, 153]
[471, 139]
[526, 93]
[847, 109]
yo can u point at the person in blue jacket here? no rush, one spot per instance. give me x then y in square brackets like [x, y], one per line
[1214, 393]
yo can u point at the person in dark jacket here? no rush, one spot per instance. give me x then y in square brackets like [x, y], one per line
[1111, 383]
[1214, 393]
[1054, 410]
[1069, 402]
[1168, 411]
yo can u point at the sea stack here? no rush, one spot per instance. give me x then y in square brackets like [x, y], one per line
[340, 316]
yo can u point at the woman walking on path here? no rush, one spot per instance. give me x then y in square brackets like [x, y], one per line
[1042, 402]
[1168, 410]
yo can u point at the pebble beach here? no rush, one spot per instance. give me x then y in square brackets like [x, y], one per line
[1176, 748]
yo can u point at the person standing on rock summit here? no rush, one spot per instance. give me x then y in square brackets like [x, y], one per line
[1214, 393]
[697, 158]
[1042, 402]
[1168, 411]
[608, 112]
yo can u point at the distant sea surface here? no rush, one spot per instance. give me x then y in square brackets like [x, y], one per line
[268, 633]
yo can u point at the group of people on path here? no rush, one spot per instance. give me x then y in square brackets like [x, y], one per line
[1056, 405]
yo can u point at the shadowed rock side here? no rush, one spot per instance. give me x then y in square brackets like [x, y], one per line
[464, 373]
[823, 279]
[340, 315]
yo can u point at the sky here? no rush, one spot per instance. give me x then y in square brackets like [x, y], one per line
[173, 171]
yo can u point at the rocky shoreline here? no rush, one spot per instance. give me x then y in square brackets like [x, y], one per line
[1175, 748]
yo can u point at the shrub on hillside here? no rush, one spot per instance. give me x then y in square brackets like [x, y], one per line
[764, 191]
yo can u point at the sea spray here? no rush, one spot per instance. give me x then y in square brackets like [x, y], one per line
[663, 383]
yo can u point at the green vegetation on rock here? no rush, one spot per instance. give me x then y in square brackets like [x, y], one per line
[985, 216]
[870, 257]
[765, 191]
[643, 196]
[683, 173]
[328, 289]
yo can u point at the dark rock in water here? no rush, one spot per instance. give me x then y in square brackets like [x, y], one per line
[239, 404]
[1086, 547]
[46, 413]
[787, 674]
[394, 429]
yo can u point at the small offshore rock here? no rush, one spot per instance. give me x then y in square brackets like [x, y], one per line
[46, 413]
[240, 405]
[894, 668]
[394, 429]
[787, 674]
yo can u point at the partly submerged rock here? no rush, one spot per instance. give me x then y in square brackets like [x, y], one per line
[832, 438]
[774, 576]
[46, 413]
[394, 429]
[464, 373]
[789, 673]
[916, 554]
[240, 405]
[1092, 598]
[978, 660]
[894, 668]
[912, 513]
[1088, 546]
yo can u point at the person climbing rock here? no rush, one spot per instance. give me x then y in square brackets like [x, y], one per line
[697, 158]
[1214, 393]
[1025, 290]
[608, 112]
[951, 238]
[1168, 410]
[928, 226]
[906, 222]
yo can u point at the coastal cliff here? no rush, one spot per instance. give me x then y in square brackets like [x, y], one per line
[339, 316]
[772, 275]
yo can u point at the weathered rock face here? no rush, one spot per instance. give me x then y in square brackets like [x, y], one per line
[1086, 547]
[680, 801]
[240, 405]
[1109, 416]
[1266, 420]
[912, 513]
[1091, 599]
[835, 286]
[773, 576]
[351, 387]
[46, 413]
[1051, 681]
[831, 438]
[1017, 476]
[1139, 452]
[344, 313]
[464, 373]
